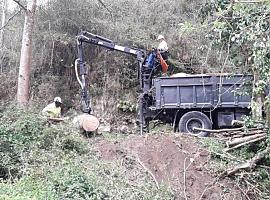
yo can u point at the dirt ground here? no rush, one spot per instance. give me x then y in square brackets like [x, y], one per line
[173, 160]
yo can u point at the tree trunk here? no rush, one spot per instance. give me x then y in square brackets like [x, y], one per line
[26, 54]
[3, 21]
[257, 99]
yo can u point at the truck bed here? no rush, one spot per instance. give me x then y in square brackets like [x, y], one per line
[202, 91]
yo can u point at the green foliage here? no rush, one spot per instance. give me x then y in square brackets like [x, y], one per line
[126, 106]
[55, 162]
[18, 132]
[72, 183]
[243, 30]
[24, 134]
[66, 183]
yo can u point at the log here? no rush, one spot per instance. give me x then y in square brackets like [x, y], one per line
[250, 164]
[244, 139]
[232, 133]
[87, 122]
[239, 135]
[248, 142]
[218, 131]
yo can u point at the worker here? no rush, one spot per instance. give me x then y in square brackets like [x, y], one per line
[53, 110]
[163, 47]
[163, 50]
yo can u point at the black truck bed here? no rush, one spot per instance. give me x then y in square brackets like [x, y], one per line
[201, 91]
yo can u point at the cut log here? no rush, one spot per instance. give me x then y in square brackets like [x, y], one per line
[244, 139]
[87, 122]
[218, 131]
[244, 143]
[244, 134]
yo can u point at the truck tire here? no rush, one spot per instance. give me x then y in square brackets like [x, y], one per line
[194, 119]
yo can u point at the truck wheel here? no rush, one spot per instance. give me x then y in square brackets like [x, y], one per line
[194, 119]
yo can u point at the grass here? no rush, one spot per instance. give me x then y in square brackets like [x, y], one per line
[57, 162]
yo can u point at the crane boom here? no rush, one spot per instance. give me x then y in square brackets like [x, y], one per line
[143, 74]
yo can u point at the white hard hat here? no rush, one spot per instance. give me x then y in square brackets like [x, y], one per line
[160, 37]
[57, 99]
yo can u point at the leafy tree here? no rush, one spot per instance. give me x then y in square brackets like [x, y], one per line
[241, 30]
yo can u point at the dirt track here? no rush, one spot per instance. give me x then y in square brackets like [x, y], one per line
[174, 160]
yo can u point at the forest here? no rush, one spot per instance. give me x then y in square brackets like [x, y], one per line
[43, 159]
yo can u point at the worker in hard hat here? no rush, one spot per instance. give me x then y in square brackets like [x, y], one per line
[53, 110]
[161, 51]
[163, 47]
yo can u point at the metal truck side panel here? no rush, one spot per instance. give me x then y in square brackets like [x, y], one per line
[195, 91]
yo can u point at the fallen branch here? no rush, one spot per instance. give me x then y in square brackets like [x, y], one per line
[250, 164]
[209, 186]
[243, 192]
[237, 141]
[244, 134]
[225, 155]
[218, 131]
[185, 169]
[248, 142]
[148, 170]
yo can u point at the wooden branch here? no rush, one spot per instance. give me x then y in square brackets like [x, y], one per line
[248, 142]
[244, 139]
[250, 164]
[103, 4]
[232, 133]
[146, 169]
[22, 6]
[243, 192]
[184, 175]
[19, 3]
[9, 19]
[218, 131]
[244, 134]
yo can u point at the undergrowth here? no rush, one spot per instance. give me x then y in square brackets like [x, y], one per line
[256, 182]
[57, 162]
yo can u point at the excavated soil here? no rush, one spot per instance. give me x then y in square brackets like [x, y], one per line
[174, 160]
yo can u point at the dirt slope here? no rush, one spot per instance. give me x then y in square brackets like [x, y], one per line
[174, 160]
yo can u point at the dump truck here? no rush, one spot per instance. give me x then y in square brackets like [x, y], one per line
[202, 101]
[190, 103]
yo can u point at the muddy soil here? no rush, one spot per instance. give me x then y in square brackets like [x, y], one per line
[176, 161]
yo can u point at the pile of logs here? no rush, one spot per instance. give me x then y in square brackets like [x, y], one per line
[238, 137]
[241, 138]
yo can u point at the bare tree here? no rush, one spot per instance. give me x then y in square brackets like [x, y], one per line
[3, 21]
[26, 53]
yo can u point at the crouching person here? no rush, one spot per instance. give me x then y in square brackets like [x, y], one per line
[53, 110]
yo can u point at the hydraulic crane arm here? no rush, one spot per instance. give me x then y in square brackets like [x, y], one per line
[86, 37]
[104, 42]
